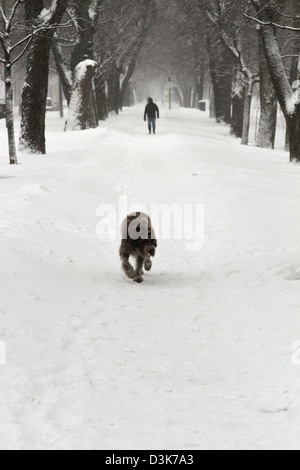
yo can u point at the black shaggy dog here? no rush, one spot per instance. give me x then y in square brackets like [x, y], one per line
[139, 241]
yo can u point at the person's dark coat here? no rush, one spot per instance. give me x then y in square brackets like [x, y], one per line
[151, 111]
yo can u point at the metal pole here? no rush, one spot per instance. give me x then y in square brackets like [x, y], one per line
[170, 94]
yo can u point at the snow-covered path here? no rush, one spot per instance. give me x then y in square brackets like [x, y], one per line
[200, 354]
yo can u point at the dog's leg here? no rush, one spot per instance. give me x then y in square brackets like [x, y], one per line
[127, 268]
[147, 264]
[139, 269]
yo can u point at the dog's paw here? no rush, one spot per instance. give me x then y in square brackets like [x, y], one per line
[148, 264]
[138, 279]
[129, 272]
[130, 275]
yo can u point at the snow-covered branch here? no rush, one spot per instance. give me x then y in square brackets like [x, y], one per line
[94, 10]
[47, 14]
[13, 12]
[27, 39]
[271, 23]
[3, 16]
[18, 57]
[2, 43]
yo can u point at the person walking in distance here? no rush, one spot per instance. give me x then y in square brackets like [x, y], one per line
[152, 112]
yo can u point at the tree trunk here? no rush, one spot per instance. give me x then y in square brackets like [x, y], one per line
[94, 117]
[293, 77]
[62, 69]
[129, 98]
[178, 94]
[86, 16]
[34, 97]
[222, 98]
[79, 110]
[247, 112]
[284, 92]
[125, 90]
[125, 83]
[114, 90]
[6, 46]
[220, 64]
[186, 89]
[212, 111]
[10, 116]
[101, 100]
[293, 125]
[238, 102]
[198, 90]
[200, 84]
[35, 90]
[268, 104]
[61, 99]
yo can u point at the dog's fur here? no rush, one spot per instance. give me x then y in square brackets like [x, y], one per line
[142, 248]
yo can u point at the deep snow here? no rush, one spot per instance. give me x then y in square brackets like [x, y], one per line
[200, 354]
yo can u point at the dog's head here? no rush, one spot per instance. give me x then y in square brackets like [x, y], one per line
[146, 247]
[150, 247]
[138, 229]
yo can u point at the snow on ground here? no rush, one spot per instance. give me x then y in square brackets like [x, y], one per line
[200, 354]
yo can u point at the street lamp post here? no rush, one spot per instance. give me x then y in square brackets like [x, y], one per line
[170, 93]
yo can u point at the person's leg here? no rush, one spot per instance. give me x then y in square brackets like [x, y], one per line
[149, 125]
[154, 125]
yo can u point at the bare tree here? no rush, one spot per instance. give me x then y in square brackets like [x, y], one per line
[121, 36]
[176, 49]
[6, 31]
[63, 67]
[233, 43]
[129, 60]
[99, 34]
[15, 39]
[288, 97]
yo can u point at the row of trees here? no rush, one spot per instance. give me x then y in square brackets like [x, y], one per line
[95, 45]
[104, 50]
[250, 32]
[237, 47]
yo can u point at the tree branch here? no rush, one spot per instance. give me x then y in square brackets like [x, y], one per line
[2, 42]
[3, 16]
[270, 23]
[38, 30]
[21, 41]
[215, 19]
[23, 52]
[13, 12]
